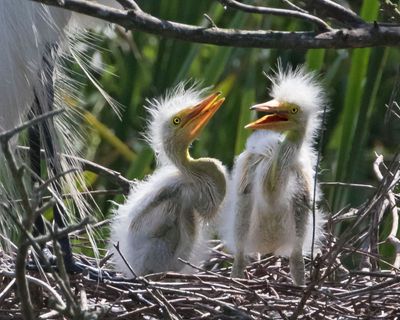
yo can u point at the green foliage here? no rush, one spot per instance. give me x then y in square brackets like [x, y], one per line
[139, 66]
[345, 132]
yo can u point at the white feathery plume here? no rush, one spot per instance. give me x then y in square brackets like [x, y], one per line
[303, 88]
[34, 41]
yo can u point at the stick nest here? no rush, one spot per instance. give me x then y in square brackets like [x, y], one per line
[267, 293]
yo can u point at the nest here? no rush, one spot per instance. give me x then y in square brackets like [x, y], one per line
[332, 291]
[267, 292]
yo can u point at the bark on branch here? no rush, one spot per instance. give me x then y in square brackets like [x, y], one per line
[363, 35]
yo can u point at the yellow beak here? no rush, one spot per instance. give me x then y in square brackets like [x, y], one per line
[275, 118]
[197, 117]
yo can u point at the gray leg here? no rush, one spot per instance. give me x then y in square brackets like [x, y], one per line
[296, 263]
[239, 265]
[296, 260]
[242, 224]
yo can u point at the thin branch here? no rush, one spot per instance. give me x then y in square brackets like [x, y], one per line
[60, 233]
[328, 8]
[393, 96]
[345, 184]
[38, 282]
[23, 248]
[390, 9]
[369, 290]
[87, 165]
[365, 35]
[5, 292]
[293, 6]
[46, 184]
[128, 4]
[7, 135]
[112, 175]
[392, 237]
[321, 24]
[156, 295]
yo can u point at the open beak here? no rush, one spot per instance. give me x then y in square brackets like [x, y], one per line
[276, 116]
[198, 116]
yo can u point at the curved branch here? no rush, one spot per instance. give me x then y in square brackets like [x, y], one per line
[328, 8]
[367, 35]
[322, 25]
[293, 6]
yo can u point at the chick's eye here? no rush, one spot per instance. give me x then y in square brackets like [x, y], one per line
[294, 110]
[176, 121]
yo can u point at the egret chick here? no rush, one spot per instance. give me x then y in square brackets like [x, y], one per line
[273, 179]
[162, 218]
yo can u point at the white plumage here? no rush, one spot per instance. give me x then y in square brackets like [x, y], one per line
[26, 28]
[33, 38]
[269, 202]
[165, 216]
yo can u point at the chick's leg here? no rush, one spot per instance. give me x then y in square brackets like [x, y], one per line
[296, 260]
[242, 225]
[296, 263]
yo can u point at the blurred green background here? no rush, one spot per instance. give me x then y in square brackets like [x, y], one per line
[134, 66]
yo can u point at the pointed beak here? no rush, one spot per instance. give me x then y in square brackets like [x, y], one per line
[198, 116]
[276, 114]
[267, 107]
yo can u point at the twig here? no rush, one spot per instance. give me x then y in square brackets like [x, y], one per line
[135, 276]
[64, 285]
[38, 282]
[328, 8]
[4, 293]
[128, 4]
[23, 248]
[395, 104]
[322, 25]
[293, 6]
[392, 237]
[87, 165]
[393, 96]
[7, 135]
[345, 184]
[390, 8]
[170, 311]
[370, 289]
[374, 274]
[314, 194]
[51, 180]
[60, 233]
[112, 175]
[208, 18]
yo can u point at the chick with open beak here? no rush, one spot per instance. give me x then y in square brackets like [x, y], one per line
[165, 216]
[273, 179]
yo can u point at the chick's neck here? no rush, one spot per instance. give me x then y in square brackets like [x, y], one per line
[201, 171]
[285, 156]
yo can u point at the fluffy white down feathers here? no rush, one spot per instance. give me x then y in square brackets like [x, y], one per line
[269, 200]
[303, 89]
[162, 109]
[165, 216]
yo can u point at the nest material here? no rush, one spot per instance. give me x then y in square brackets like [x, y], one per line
[332, 292]
[267, 293]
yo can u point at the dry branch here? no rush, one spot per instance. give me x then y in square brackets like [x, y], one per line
[322, 25]
[392, 237]
[358, 36]
[213, 294]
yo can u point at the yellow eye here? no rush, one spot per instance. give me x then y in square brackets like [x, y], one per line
[294, 110]
[176, 121]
